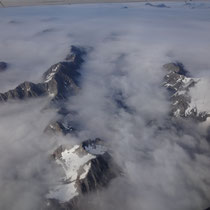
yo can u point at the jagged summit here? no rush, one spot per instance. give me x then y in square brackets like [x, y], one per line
[87, 166]
[23, 91]
[59, 81]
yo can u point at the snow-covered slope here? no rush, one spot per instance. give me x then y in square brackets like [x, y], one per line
[76, 164]
[189, 96]
[86, 167]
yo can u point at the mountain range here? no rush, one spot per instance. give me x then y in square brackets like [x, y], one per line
[89, 166]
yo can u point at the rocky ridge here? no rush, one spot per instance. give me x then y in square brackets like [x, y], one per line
[186, 102]
[59, 81]
[188, 95]
[87, 166]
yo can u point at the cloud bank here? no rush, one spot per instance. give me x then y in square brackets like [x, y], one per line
[165, 162]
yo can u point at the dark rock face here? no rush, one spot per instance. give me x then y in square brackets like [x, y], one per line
[76, 55]
[99, 175]
[179, 85]
[95, 170]
[60, 80]
[3, 66]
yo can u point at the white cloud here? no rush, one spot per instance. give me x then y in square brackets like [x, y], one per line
[165, 167]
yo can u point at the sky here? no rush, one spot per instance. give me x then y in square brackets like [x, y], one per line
[166, 163]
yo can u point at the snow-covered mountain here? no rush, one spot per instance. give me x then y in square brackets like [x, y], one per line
[189, 96]
[59, 80]
[87, 166]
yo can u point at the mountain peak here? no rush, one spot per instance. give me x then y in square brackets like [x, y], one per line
[59, 80]
[86, 167]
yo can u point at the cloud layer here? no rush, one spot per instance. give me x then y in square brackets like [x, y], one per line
[165, 163]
